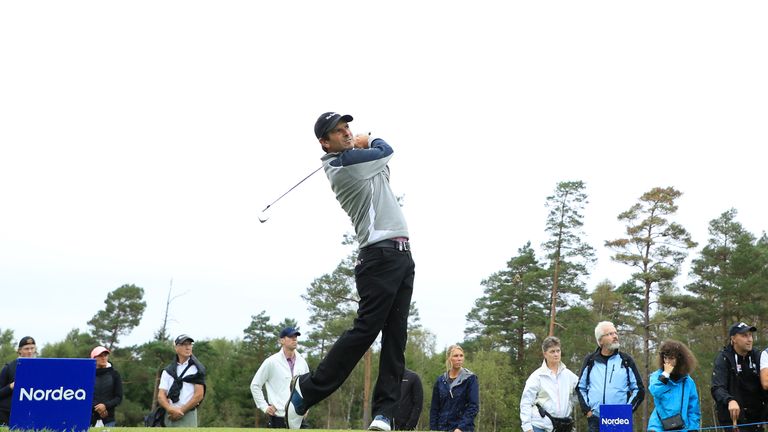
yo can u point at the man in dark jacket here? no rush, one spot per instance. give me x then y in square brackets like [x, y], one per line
[411, 401]
[736, 385]
[27, 348]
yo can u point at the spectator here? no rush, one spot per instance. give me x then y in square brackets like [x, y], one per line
[107, 389]
[276, 373]
[547, 393]
[674, 392]
[411, 401]
[28, 349]
[455, 396]
[182, 386]
[596, 387]
[736, 389]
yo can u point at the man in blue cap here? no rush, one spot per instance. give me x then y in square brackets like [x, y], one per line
[276, 373]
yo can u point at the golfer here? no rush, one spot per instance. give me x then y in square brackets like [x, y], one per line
[357, 168]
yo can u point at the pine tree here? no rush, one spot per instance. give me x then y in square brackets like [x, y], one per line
[569, 256]
[655, 247]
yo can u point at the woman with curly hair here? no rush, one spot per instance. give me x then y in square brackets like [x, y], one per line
[674, 391]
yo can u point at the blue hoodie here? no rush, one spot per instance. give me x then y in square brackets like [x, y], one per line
[455, 405]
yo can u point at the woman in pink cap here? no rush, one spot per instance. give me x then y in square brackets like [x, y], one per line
[107, 389]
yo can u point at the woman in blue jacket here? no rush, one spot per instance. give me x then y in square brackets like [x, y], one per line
[673, 389]
[455, 396]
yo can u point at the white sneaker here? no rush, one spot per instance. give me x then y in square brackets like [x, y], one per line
[380, 423]
[294, 409]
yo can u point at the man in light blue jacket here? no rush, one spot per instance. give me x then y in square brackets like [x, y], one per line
[608, 377]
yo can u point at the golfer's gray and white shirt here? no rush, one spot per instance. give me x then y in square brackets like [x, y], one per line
[360, 180]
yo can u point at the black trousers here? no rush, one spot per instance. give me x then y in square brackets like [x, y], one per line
[384, 280]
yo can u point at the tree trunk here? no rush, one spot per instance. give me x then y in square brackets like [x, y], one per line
[521, 341]
[553, 311]
[154, 390]
[646, 346]
[556, 276]
[367, 389]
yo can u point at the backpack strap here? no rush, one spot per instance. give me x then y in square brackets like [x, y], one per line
[627, 366]
[590, 364]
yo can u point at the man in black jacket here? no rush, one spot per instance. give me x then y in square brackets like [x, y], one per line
[411, 401]
[27, 348]
[736, 381]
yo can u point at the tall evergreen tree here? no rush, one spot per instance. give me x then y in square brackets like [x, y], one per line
[124, 309]
[513, 305]
[655, 248]
[729, 280]
[569, 255]
[260, 337]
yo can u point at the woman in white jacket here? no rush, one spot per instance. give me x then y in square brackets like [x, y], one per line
[551, 387]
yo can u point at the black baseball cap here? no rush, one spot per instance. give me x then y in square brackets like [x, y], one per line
[180, 339]
[328, 121]
[27, 340]
[741, 328]
[289, 331]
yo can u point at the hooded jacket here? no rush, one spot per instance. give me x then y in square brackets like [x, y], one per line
[729, 383]
[669, 396]
[455, 404]
[552, 392]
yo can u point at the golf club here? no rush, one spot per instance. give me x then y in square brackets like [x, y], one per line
[263, 217]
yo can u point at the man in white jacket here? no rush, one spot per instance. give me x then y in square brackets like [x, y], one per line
[551, 387]
[276, 373]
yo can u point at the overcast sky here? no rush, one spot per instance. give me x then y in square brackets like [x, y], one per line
[140, 140]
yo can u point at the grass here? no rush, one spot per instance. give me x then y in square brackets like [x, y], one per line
[146, 429]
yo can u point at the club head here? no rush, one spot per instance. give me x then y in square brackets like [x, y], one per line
[264, 215]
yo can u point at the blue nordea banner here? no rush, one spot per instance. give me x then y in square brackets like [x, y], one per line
[615, 418]
[53, 394]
